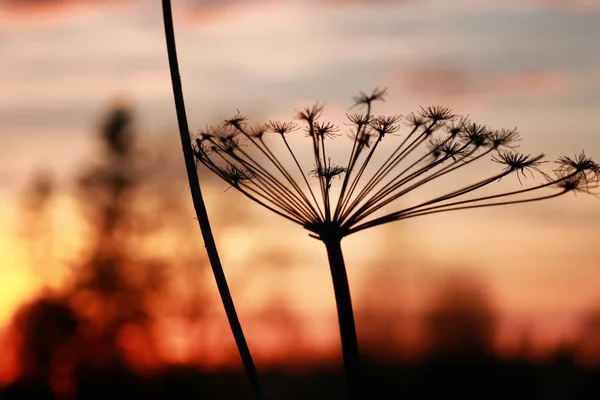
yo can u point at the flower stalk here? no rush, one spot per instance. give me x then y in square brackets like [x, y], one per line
[200, 207]
[343, 302]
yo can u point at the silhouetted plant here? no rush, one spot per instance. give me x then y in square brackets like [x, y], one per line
[438, 143]
[200, 208]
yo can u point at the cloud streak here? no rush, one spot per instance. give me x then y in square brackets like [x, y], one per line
[28, 13]
[458, 85]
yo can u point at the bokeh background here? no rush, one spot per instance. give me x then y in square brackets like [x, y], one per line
[98, 241]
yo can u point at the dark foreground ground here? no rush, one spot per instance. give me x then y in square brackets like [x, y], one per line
[480, 378]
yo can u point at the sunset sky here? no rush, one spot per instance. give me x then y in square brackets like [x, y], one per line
[533, 64]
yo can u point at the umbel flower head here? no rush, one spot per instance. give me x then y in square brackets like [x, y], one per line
[428, 148]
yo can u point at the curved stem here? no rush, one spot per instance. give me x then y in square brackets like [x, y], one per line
[200, 208]
[345, 317]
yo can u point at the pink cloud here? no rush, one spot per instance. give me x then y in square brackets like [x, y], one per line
[575, 6]
[216, 10]
[364, 2]
[14, 12]
[532, 82]
[456, 85]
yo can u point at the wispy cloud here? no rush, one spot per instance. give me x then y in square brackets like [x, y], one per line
[454, 85]
[216, 11]
[567, 6]
[34, 12]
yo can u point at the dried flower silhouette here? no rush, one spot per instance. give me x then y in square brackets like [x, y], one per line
[332, 201]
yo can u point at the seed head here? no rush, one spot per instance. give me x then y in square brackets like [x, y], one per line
[236, 121]
[328, 172]
[324, 129]
[229, 144]
[579, 163]
[201, 150]
[283, 128]
[257, 131]
[207, 134]
[384, 125]
[234, 174]
[366, 99]
[581, 166]
[310, 114]
[443, 147]
[570, 182]
[359, 120]
[436, 114]
[363, 138]
[264, 174]
[415, 120]
[504, 138]
[456, 126]
[475, 134]
[519, 163]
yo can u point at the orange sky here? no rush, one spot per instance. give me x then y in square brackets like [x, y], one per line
[503, 65]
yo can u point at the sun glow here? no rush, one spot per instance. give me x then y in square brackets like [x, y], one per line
[18, 283]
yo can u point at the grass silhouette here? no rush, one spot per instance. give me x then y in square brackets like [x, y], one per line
[200, 208]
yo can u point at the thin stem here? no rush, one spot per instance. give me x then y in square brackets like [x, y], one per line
[317, 207]
[315, 211]
[200, 208]
[396, 157]
[358, 176]
[435, 211]
[260, 191]
[377, 202]
[278, 194]
[326, 204]
[357, 147]
[459, 205]
[345, 317]
[415, 210]
[264, 149]
[445, 208]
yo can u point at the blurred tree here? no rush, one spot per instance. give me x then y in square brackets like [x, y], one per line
[47, 328]
[116, 285]
[461, 320]
[36, 220]
[140, 277]
[589, 340]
